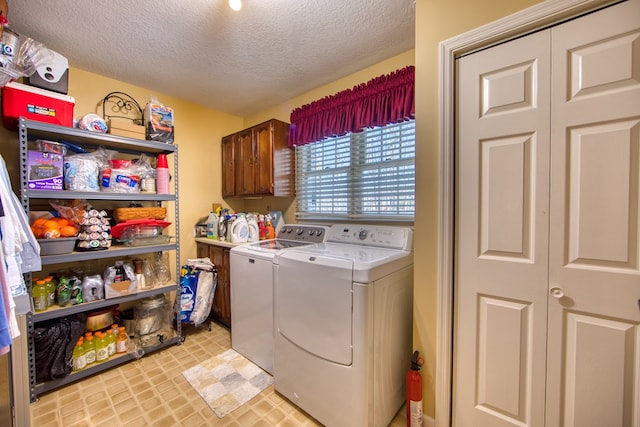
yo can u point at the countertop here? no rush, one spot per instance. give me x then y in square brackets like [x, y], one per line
[216, 242]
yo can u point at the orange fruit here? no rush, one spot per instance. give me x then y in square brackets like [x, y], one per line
[38, 231]
[62, 221]
[68, 231]
[52, 224]
[39, 221]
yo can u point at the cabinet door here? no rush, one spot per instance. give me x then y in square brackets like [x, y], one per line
[202, 250]
[221, 307]
[283, 173]
[244, 163]
[228, 167]
[263, 149]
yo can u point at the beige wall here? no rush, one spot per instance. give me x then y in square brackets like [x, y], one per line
[199, 130]
[436, 20]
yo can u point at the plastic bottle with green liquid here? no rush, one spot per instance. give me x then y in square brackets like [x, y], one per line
[79, 356]
[51, 290]
[39, 294]
[102, 347]
[90, 348]
[111, 342]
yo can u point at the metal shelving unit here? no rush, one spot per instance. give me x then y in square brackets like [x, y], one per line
[29, 131]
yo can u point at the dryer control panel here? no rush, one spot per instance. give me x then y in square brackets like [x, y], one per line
[372, 235]
[303, 233]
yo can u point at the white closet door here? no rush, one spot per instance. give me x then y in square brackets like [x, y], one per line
[594, 335]
[548, 223]
[502, 235]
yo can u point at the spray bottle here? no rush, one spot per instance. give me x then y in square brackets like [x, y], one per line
[414, 392]
[262, 227]
[270, 233]
[222, 224]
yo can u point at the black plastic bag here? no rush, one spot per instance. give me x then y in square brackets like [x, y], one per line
[54, 342]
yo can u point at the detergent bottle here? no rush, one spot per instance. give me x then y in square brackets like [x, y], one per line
[239, 229]
[212, 226]
[254, 230]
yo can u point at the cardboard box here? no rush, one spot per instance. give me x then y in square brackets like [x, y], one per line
[35, 104]
[125, 127]
[44, 170]
[118, 289]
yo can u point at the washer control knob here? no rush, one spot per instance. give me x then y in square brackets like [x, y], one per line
[299, 230]
[362, 234]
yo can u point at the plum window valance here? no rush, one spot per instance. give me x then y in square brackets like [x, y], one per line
[382, 100]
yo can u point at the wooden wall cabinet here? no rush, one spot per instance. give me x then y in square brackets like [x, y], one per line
[257, 161]
[221, 306]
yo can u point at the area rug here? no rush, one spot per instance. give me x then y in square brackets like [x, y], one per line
[227, 381]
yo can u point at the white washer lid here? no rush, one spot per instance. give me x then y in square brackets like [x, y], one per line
[369, 263]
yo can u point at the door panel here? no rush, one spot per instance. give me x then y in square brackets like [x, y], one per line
[228, 167]
[501, 325]
[263, 135]
[601, 224]
[593, 376]
[505, 228]
[502, 235]
[245, 162]
[602, 396]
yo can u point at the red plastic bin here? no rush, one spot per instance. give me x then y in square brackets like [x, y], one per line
[35, 104]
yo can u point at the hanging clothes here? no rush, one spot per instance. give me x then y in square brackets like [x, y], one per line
[21, 248]
[20, 252]
[5, 322]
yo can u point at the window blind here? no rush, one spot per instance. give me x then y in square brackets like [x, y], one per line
[369, 174]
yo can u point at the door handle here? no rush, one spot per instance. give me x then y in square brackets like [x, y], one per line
[556, 292]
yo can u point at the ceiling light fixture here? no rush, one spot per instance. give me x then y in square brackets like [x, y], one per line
[235, 4]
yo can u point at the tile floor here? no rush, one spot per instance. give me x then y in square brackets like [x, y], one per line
[152, 392]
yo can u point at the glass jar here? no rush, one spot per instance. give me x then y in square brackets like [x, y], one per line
[162, 270]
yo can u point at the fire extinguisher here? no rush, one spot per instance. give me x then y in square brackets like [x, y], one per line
[414, 392]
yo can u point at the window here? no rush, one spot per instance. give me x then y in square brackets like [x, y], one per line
[369, 174]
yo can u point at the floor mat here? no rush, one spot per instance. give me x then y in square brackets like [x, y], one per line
[227, 380]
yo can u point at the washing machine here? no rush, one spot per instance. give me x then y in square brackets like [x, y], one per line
[252, 290]
[343, 324]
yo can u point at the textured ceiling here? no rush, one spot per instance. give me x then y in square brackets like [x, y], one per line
[202, 51]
